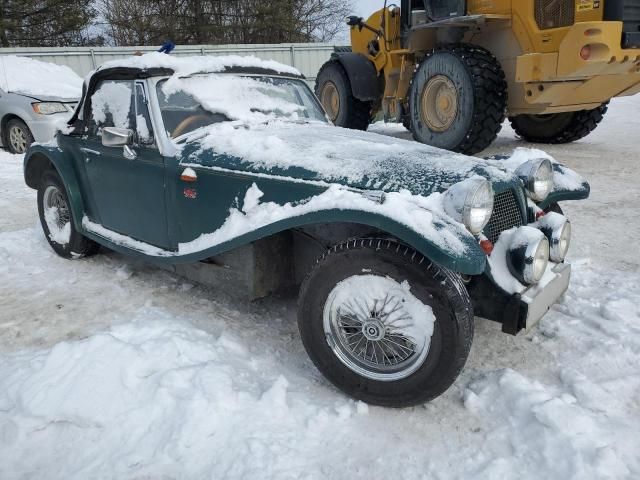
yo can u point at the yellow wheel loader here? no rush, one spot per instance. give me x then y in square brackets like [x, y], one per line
[452, 70]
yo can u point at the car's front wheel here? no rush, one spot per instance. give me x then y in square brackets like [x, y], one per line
[384, 324]
[56, 219]
[18, 136]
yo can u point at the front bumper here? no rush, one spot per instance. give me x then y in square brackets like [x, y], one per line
[539, 299]
[519, 311]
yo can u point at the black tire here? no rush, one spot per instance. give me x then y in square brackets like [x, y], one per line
[77, 245]
[20, 144]
[481, 98]
[435, 286]
[351, 112]
[556, 128]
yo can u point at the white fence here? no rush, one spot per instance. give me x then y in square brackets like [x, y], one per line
[306, 57]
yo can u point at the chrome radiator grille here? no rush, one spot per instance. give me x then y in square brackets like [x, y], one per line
[555, 13]
[506, 214]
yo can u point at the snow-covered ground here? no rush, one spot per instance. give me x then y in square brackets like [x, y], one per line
[111, 368]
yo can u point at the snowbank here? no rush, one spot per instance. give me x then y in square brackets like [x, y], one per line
[25, 75]
[157, 396]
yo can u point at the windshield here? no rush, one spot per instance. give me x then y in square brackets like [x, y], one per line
[200, 100]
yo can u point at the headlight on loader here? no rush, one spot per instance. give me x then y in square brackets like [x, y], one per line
[557, 229]
[528, 255]
[471, 203]
[537, 176]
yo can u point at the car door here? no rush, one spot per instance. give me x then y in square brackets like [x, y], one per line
[127, 187]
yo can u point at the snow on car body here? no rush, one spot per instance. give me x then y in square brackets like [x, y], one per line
[189, 160]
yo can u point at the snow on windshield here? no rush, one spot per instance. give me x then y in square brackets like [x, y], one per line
[25, 75]
[245, 98]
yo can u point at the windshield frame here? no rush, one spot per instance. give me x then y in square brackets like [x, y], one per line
[194, 133]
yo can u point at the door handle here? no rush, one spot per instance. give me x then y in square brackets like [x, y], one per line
[88, 150]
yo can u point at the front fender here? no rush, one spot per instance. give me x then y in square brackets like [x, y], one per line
[568, 185]
[469, 259]
[42, 157]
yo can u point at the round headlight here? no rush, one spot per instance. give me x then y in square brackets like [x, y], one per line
[528, 255]
[534, 273]
[558, 231]
[471, 203]
[537, 176]
[560, 244]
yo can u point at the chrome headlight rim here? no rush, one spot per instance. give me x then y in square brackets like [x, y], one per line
[559, 241]
[528, 262]
[537, 176]
[476, 208]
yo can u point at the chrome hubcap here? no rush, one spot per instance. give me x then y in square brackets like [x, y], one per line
[377, 328]
[439, 103]
[18, 139]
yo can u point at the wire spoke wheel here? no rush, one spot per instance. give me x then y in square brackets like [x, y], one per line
[377, 328]
[55, 203]
[18, 139]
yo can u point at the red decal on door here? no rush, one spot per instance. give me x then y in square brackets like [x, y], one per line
[190, 193]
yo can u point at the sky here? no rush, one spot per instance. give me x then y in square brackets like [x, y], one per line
[364, 8]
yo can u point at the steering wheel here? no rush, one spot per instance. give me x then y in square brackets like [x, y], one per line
[184, 125]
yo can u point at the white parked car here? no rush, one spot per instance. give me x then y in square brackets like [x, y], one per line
[35, 99]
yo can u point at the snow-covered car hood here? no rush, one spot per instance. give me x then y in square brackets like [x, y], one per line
[322, 152]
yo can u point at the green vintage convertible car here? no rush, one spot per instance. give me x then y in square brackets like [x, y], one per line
[211, 163]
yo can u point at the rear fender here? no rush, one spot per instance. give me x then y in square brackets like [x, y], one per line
[40, 158]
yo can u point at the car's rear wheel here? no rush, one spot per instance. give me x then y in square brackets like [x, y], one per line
[18, 136]
[56, 219]
[384, 324]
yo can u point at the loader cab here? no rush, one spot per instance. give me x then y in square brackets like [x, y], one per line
[419, 12]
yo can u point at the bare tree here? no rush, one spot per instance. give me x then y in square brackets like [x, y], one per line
[149, 22]
[45, 23]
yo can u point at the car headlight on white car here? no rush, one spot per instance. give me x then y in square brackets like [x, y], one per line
[537, 176]
[49, 108]
[471, 203]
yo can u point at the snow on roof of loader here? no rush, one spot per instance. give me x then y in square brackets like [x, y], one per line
[198, 64]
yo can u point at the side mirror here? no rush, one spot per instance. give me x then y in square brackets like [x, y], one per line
[116, 137]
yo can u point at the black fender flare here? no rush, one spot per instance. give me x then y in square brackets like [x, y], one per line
[363, 76]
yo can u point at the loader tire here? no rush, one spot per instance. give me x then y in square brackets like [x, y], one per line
[458, 99]
[558, 128]
[333, 88]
